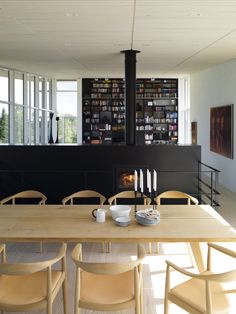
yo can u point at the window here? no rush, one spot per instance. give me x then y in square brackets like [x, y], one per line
[32, 109]
[67, 111]
[4, 123]
[4, 90]
[25, 104]
[4, 106]
[18, 108]
[184, 112]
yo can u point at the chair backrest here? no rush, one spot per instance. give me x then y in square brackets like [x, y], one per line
[208, 277]
[29, 268]
[176, 195]
[106, 268]
[25, 194]
[84, 194]
[128, 194]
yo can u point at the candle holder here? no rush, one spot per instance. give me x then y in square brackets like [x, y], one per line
[50, 141]
[135, 202]
[57, 139]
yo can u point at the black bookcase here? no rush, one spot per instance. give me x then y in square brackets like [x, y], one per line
[157, 110]
[104, 111]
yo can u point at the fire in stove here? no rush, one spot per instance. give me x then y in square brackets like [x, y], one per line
[126, 180]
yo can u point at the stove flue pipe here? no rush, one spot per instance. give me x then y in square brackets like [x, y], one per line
[130, 96]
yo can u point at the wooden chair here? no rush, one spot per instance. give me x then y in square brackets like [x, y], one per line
[204, 292]
[32, 286]
[108, 286]
[176, 195]
[88, 194]
[130, 195]
[25, 194]
[127, 194]
[29, 194]
[84, 194]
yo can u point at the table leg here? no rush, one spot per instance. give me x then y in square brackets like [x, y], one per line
[197, 254]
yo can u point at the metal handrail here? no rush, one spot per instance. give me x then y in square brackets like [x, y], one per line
[213, 193]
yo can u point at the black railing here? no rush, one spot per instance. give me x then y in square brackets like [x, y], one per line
[208, 183]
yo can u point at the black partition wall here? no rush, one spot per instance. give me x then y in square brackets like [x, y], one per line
[61, 170]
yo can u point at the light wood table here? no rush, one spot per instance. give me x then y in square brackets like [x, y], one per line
[50, 223]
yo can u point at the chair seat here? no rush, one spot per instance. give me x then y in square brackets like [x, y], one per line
[26, 289]
[107, 289]
[192, 292]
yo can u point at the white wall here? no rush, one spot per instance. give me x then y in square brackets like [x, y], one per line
[213, 87]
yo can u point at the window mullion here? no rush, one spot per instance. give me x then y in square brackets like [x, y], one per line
[26, 128]
[36, 104]
[11, 108]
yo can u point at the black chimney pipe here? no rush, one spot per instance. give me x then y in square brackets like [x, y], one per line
[130, 96]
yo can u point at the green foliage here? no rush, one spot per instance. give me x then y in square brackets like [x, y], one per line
[67, 127]
[4, 126]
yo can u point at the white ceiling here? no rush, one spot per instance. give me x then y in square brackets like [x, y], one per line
[83, 38]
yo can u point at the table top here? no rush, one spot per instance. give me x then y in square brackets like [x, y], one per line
[74, 223]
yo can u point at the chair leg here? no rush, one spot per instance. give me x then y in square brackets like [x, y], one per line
[49, 308]
[108, 247]
[103, 247]
[141, 300]
[40, 247]
[166, 306]
[64, 291]
[137, 306]
[149, 247]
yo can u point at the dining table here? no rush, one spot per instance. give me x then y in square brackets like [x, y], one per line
[74, 223]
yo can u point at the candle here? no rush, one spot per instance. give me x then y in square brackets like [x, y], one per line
[135, 180]
[141, 180]
[149, 181]
[154, 180]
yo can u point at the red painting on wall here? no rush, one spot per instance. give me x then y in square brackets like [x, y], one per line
[221, 130]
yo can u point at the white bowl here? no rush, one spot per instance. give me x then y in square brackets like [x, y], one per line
[122, 221]
[119, 211]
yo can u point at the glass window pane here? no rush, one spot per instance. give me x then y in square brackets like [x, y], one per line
[32, 92]
[32, 126]
[4, 85]
[67, 111]
[40, 127]
[70, 129]
[40, 92]
[18, 88]
[19, 125]
[67, 103]
[67, 85]
[3, 123]
[49, 95]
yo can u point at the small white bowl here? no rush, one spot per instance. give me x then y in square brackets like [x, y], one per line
[119, 211]
[122, 221]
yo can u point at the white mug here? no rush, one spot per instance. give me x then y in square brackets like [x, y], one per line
[99, 214]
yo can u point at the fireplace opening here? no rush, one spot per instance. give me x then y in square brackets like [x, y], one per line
[124, 177]
[126, 181]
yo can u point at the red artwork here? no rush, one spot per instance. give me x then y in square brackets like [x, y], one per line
[221, 133]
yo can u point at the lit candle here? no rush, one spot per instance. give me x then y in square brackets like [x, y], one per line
[135, 180]
[141, 180]
[154, 180]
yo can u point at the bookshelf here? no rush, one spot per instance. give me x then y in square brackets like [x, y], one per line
[104, 111]
[157, 111]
